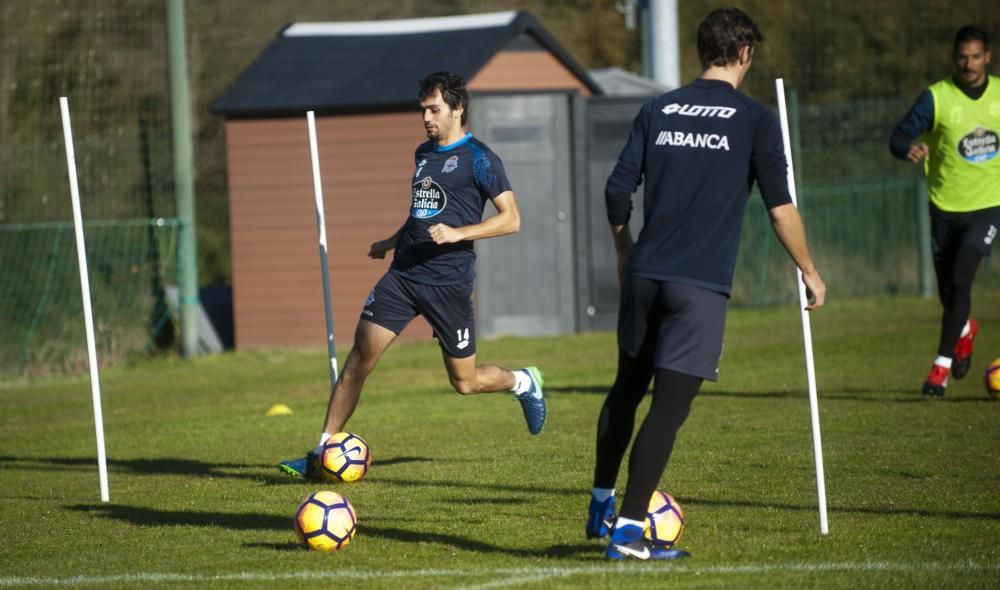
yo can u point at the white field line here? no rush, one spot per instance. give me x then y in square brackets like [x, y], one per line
[631, 567]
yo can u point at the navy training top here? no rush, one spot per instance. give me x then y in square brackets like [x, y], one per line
[698, 150]
[451, 185]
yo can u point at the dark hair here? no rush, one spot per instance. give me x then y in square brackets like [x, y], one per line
[971, 33]
[452, 87]
[722, 34]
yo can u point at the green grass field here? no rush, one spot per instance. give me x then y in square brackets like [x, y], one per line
[460, 496]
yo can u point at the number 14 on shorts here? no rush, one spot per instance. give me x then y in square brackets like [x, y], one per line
[462, 337]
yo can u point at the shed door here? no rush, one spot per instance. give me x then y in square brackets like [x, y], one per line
[525, 282]
[606, 123]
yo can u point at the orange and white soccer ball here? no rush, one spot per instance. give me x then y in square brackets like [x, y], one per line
[991, 379]
[664, 520]
[325, 521]
[345, 457]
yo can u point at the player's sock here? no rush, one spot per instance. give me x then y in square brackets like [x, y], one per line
[965, 329]
[621, 521]
[602, 494]
[522, 382]
[600, 513]
[943, 361]
[322, 441]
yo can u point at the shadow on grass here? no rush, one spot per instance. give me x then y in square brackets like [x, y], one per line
[847, 394]
[579, 492]
[288, 547]
[177, 466]
[141, 516]
[949, 514]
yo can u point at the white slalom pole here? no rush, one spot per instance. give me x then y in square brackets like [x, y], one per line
[81, 256]
[324, 262]
[806, 328]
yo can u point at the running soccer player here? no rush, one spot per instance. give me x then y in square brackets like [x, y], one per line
[432, 269]
[698, 150]
[954, 129]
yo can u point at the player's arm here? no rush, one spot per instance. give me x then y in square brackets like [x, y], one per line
[787, 225]
[622, 236]
[770, 169]
[506, 221]
[904, 143]
[624, 180]
[379, 248]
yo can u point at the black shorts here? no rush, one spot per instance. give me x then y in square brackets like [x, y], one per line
[448, 309]
[952, 231]
[679, 326]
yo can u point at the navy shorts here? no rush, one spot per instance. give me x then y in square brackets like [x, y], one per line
[678, 326]
[449, 309]
[952, 231]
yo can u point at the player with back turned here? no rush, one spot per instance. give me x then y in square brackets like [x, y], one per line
[954, 130]
[698, 150]
[432, 271]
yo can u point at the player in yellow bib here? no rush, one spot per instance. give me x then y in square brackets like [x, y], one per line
[954, 130]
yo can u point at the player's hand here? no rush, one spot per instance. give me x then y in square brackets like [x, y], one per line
[815, 290]
[917, 152]
[379, 248]
[443, 234]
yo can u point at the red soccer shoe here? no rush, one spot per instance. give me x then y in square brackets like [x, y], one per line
[962, 359]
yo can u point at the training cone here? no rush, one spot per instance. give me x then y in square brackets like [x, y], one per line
[279, 410]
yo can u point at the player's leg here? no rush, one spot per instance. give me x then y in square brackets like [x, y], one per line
[955, 317]
[673, 393]
[370, 341]
[469, 378]
[979, 237]
[387, 311]
[961, 241]
[945, 245]
[450, 310]
[638, 324]
[688, 349]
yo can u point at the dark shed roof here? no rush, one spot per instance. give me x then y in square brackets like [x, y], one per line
[377, 64]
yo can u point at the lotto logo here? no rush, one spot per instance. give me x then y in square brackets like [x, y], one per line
[990, 235]
[697, 110]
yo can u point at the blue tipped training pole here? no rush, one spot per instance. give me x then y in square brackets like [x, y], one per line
[324, 262]
[824, 528]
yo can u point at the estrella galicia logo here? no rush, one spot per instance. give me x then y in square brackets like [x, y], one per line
[450, 164]
[429, 199]
[979, 146]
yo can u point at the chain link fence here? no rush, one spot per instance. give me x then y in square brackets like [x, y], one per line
[856, 68]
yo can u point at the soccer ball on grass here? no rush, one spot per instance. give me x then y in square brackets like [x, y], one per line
[664, 520]
[992, 380]
[325, 521]
[344, 457]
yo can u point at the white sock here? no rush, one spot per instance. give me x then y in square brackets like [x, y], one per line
[943, 361]
[322, 441]
[620, 522]
[965, 329]
[522, 382]
[602, 494]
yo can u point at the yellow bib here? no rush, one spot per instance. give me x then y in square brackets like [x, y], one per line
[963, 167]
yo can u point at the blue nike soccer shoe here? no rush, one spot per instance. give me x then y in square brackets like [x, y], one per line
[305, 467]
[533, 401]
[627, 542]
[600, 517]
